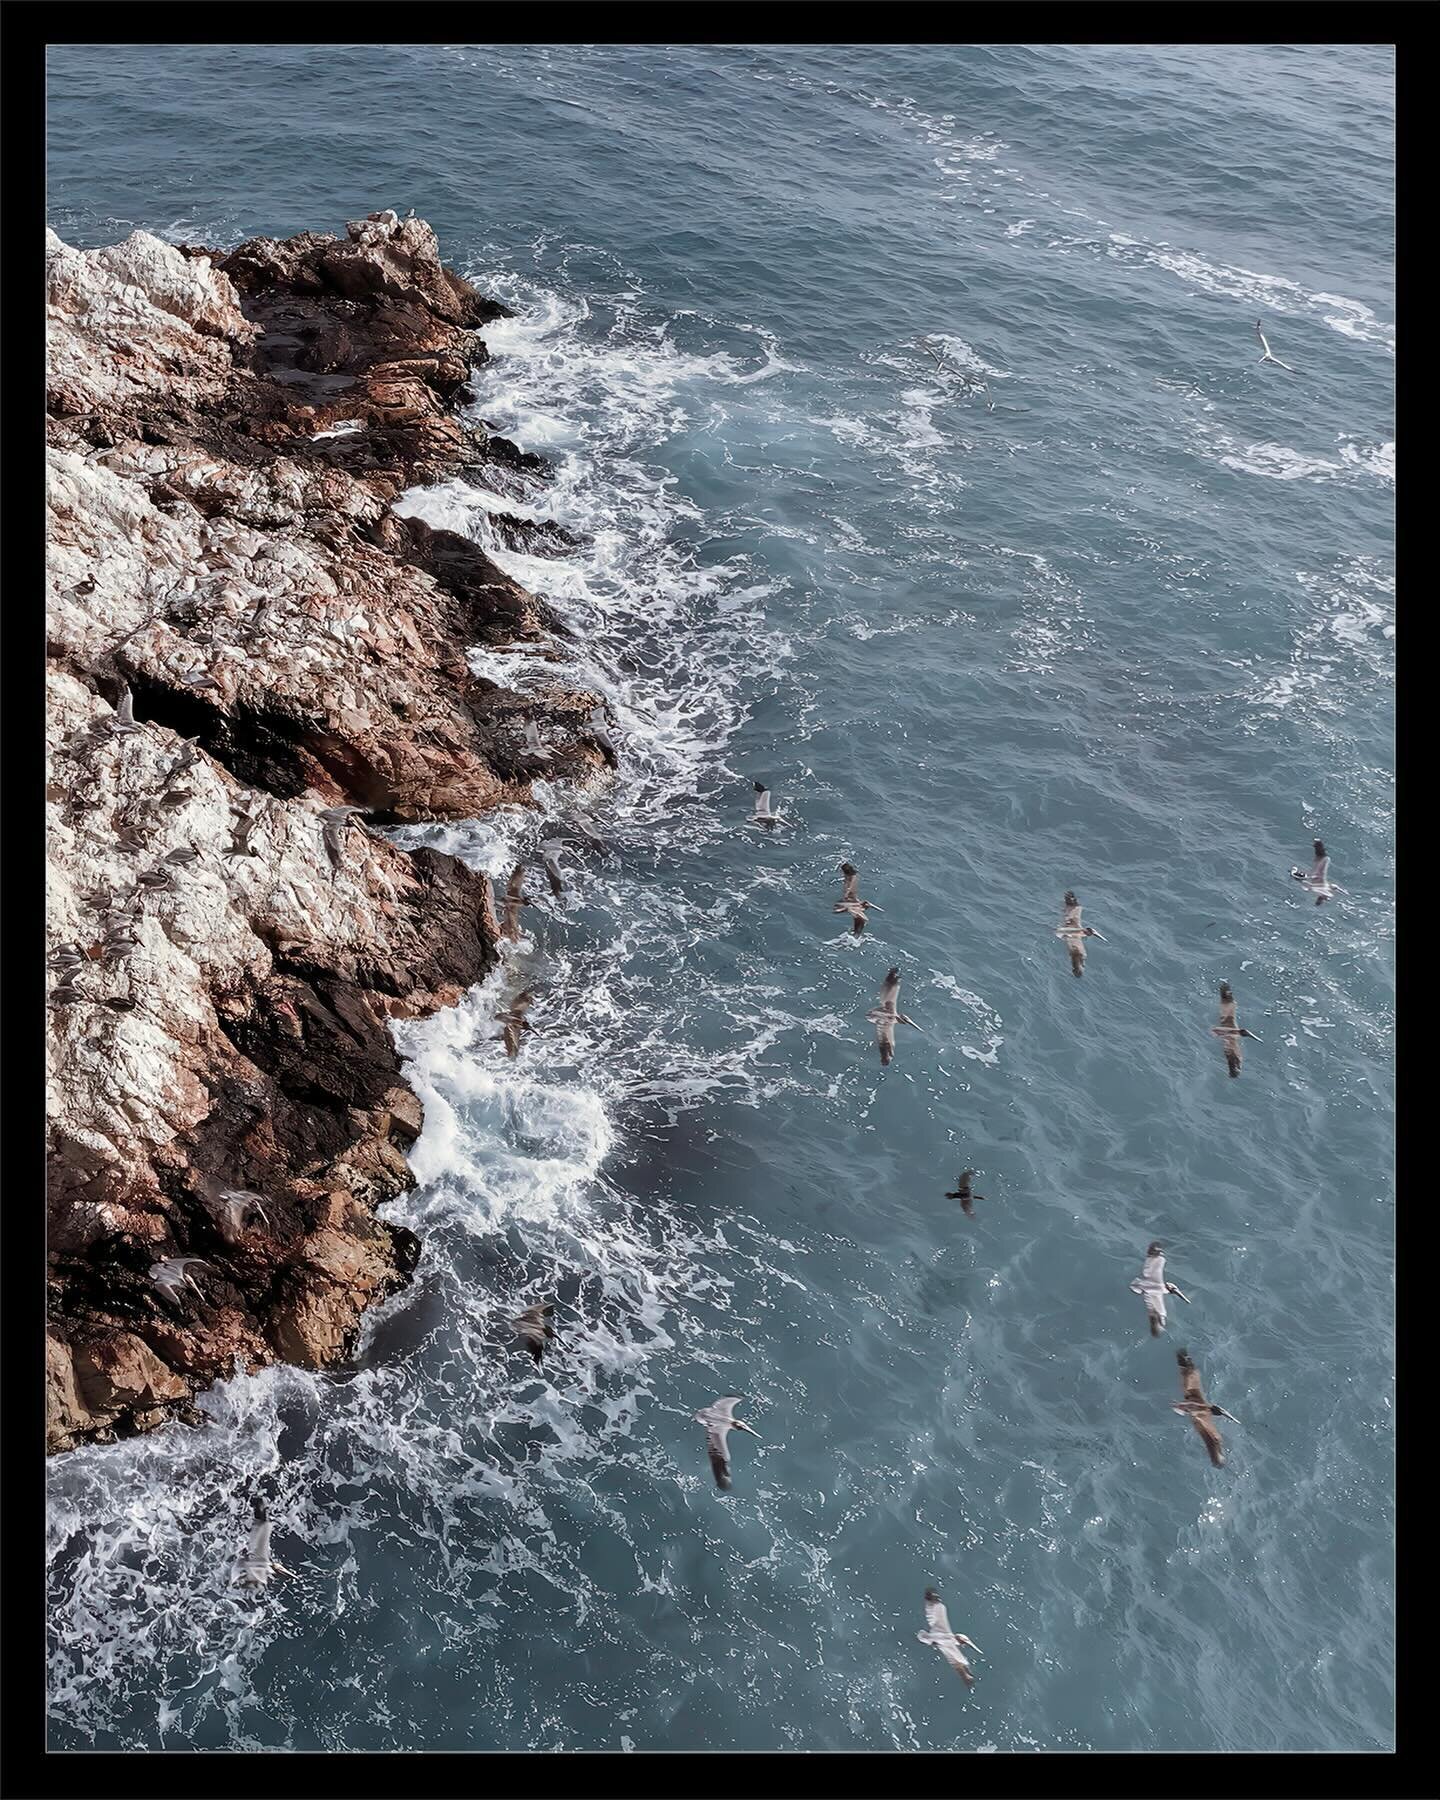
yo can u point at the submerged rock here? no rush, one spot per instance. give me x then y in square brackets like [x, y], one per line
[241, 633]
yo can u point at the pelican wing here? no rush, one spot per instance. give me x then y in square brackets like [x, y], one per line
[762, 802]
[1210, 1434]
[716, 1441]
[890, 993]
[1070, 916]
[1227, 1008]
[852, 886]
[885, 1038]
[1320, 870]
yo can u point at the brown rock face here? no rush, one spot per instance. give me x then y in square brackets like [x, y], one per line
[226, 434]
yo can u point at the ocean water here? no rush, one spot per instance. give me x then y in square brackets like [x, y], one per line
[1122, 621]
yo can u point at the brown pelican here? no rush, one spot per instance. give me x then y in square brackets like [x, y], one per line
[172, 1276]
[234, 1210]
[515, 898]
[1317, 881]
[1152, 1287]
[187, 853]
[244, 824]
[719, 1421]
[534, 1329]
[885, 1018]
[1201, 1413]
[1229, 1033]
[850, 901]
[965, 1194]
[514, 1021]
[1074, 933]
[762, 814]
[334, 822]
[952, 1645]
[550, 853]
[255, 1565]
[1268, 355]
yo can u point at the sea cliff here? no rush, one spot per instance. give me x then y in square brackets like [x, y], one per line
[241, 634]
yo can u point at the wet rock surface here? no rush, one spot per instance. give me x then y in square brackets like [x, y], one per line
[241, 634]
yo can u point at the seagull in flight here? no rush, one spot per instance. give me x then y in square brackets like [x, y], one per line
[885, 1018]
[533, 747]
[234, 1211]
[1201, 1413]
[172, 1276]
[952, 1645]
[514, 1021]
[719, 1421]
[124, 723]
[534, 1329]
[255, 1565]
[965, 1194]
[762, 814]
[850, 901]
[550, 853]
[1073, 933]
[1152, 1287]
[1229, 1032]
[1268, 355]
[515, 898]
[1317, 881]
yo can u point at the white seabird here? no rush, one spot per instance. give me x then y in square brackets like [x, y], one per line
[719, 1421]
[952, 1645]
[762, 814]
[1152, 1287]
[885, 1017]
[233, 1211]
[533, 746]
[550, 853]
[255, 1565]
[334, 822]
[172, 1275]
[1317, 881]
[1267, 354]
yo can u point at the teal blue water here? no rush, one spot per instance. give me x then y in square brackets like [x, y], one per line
[1115, 615]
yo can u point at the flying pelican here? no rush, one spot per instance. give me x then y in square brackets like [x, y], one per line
[1202, 1414]
[172, 1276]
[762, 814]
[850, 901]
[515, 898]
[1229, 1032]
[334, 822]
[233, 1210]
[885, 1018]
[534, 1329]
[255, 1565]
[952, 1645]
[514, 1021]
[1317, 881]
[1152, 1287]
[550, 852]
[533, 746]
[965, 1194]
[1267, 355]
[1074, 934]
[719, 1421]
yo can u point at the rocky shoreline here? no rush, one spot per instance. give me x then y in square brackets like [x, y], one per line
[226, 433]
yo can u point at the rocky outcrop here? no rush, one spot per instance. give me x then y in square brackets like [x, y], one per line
[226, 435]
